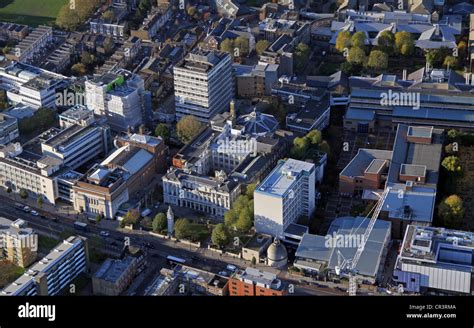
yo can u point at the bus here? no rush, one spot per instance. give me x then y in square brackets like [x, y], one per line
[174, 260]
[81, 226]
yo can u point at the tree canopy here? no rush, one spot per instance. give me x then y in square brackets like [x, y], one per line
[220, 236]
[187, 128]
[451, 211]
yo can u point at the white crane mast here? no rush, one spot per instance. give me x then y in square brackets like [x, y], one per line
[353, 263]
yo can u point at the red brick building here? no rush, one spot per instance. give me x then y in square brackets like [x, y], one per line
[253, 282]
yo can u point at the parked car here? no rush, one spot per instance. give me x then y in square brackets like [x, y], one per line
[231, 268]
[34, 213]
[26, 209]
[103, 233]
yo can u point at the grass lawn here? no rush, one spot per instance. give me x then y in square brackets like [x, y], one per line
[30, 12]
[9, 273]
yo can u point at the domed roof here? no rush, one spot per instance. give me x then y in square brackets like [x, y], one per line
[258, 123]
[276, 252]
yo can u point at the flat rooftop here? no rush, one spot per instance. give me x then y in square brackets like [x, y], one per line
[112, 269]
[283, 176]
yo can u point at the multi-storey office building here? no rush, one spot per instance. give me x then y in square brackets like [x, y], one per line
[8, 129]
[31, 172]
[287, 193]
[76, 145]
[436, 98]
[18, 243]
[54, 272]
[119, 97]
[203, 84]
[436, 260]
[30, 85]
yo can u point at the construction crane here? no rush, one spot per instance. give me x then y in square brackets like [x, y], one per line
[348, 266]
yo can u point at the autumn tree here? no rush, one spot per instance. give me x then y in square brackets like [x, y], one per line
[451, 211]
[343, 41]
[386, 42]
[404, 43]
[358, 40]
[187, 128]
[261, 46]
[378, 60]
[357, 56]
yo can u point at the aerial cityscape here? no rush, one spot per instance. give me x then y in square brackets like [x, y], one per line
[236, 148]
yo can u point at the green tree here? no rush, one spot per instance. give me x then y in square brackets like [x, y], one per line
[452, 164]
[131, 218]
[386, 42]
[108, 16]
[109, 45]
[163, 131]
[40, 201]
[347, 68]
[261, 46]
[79, 69]
[314, 137]
[404, 43]
[250, 189]
[450, 61]
[300, 147]
[220, 236]
[191, 11]
[98, 218]
[3, 100]
[451, 211]
[87, 58]
[73, 14]
[343, 41]
[182, 228]
[378, 60]
[23, 194]
[227, 45]
[187, 128]
[240, 216]
[301, 54]
[242, 44]
[358, 40]
[357, 56]
[453, 135]
[160, 222]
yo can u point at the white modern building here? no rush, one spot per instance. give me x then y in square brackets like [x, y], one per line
[30, 85]
[8, 129]
[50, 275]
[287, 193]
[203, 84]
[19, 171]
[77, 144]
[119, 97]
[436, 261]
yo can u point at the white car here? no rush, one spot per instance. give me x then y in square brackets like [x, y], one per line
[104, 233]
[34, 213]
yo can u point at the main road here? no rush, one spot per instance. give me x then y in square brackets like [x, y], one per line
[157, 248]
